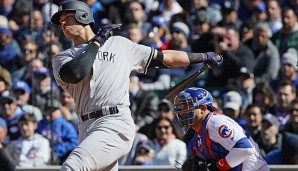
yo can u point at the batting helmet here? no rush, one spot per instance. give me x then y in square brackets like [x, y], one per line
[82, 11]
[185, 103]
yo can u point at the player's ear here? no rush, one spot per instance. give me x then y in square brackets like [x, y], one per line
[203, 107]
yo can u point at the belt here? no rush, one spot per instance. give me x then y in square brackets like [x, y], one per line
[100, 113]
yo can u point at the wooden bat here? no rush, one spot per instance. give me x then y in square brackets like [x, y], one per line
[184, 83]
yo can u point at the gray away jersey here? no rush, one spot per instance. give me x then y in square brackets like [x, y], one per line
[108, 83]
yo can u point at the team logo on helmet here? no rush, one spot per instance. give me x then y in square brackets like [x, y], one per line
[224, 131]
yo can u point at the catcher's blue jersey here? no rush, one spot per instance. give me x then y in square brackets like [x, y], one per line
[217, 136]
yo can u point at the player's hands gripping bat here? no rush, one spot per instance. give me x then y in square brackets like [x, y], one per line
[105, 32]
[212, 61]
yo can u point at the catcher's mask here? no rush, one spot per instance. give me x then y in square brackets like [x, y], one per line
[187, 101]
[82, 11]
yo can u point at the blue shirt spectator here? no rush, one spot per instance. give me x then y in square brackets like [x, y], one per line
[64, 135]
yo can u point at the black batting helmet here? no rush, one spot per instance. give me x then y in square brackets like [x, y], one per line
[82, 11]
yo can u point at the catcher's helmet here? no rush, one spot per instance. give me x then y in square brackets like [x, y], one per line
[185, 103]
[82, 11]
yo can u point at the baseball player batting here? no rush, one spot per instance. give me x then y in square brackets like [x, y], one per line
[95, 72]
[219, 143]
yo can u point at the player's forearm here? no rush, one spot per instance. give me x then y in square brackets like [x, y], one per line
[237, 155]
[180, 58]
[75, 70]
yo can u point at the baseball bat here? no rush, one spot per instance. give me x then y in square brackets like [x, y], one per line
[186, 82]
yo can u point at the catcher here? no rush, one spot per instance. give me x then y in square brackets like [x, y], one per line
[219, 142]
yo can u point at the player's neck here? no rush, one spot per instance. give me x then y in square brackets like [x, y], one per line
[86, 34]
[199, 121]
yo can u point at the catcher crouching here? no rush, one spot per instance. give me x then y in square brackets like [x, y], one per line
[219, 142]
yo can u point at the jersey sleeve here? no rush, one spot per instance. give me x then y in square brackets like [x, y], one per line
[225, 131]
[60, 59]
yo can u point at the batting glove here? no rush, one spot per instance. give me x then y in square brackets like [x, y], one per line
[105, 32]
[213, 60]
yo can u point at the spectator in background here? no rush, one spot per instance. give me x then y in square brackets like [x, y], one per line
[292, 124]
[202, 22]
[159, 35]
[199, 26]
[34, 30]
[9, 152]
[164, 110]
[20, 17]
[246, 31]
[3, 21]
[265, 96]
[205, 21]
[166, 142]
[144, 154]
[50, 38]
[33, 65]
[287, 36]
[5, 81]
[28, 53]
[291, 4]
[288, 153]
[22, 92]
[65, 136]
[286, 92]
[98, 11]
[290, 149]
[68, 102]
[267, 61]
[259, 14]
[44, 89]
[248, 8]
[48, 9]
[271, 139]
[6, 7]
[134, 33]
[10, 111]
[232, 107]
[274, 15]
[198, 5]
[9, 49]
[131, 158]
[229, 9]
[245, 84]
[288, 69]
[179, 36]
[135, 14]
[168, 8]
[254, 116]
[114, 11]
[50, 35]
[143, 103]
[35, 149]
[51, 50]
[236, 55]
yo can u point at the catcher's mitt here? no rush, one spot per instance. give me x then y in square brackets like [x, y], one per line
[194, 164]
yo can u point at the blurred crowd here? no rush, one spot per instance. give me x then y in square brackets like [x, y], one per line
[256, 85]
